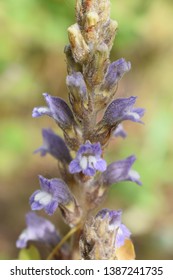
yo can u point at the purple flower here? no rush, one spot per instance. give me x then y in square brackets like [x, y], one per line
[88, 160]
[115, 72]
[38, 229]
[122, 109]
[121, 171]
[76, 84]
[120, 132]
[57, 109]
[114, 224]
[54, 145]
[54, 192]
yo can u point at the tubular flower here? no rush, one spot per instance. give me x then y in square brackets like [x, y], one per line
[57, 109]
[38, 229]
[53, 193]
[122, 109]
[54, 145]
[121, 171]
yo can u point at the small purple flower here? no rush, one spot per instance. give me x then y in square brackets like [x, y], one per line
[114, 224]
[122, 109]
[88, 160]
[54, 145]
[121, 171]
[54, 192]
[120, 132]
[115, 72]
[57, 109]
[38, 229]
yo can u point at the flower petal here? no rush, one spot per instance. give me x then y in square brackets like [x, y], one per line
[51, 207]
[41, 111]
[100, 165]
[74, 166]
[123, 233]
[120, 132]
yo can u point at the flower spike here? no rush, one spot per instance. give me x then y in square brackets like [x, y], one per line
[88, 124]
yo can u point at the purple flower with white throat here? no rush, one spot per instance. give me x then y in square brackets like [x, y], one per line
[53, 193]
[113, 218]
[57, 109]
[88, 160]
[54, 145]
[121, 171]
[122, 109]
[38, 229]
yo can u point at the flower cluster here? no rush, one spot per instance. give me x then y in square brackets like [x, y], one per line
[85, 177]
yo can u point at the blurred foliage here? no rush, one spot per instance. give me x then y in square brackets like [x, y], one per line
[32, 35]
[30, 253]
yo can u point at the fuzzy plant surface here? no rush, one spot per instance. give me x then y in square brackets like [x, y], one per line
[93, 116]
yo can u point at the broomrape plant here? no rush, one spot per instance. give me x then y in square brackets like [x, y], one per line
[84, 181]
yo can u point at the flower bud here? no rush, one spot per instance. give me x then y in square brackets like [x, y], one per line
[109, 32]
[79, 47]
[92, 19]
[71, 64]
[77, 94]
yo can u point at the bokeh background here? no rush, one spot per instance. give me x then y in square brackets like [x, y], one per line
[32, 37]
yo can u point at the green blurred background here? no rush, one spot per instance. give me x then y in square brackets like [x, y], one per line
[32, 37]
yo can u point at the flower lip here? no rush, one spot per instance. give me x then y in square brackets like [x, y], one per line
[40, 111]
[119, 131]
